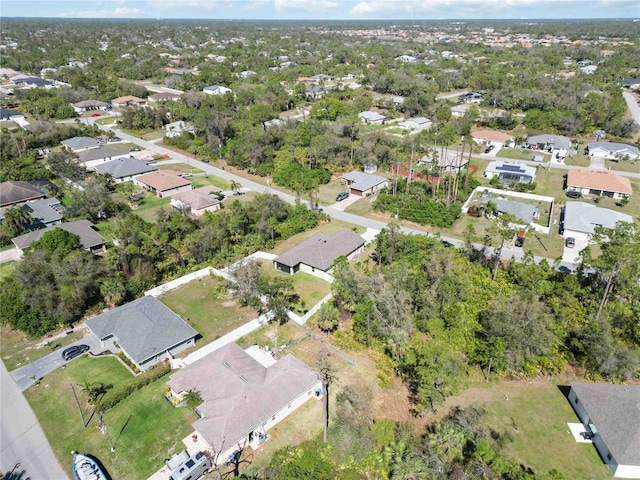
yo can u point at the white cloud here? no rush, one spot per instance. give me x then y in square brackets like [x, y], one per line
[310, 6]
[368, 7]
[196, 5]
[107, 2]
[126, 12]
[256, 5]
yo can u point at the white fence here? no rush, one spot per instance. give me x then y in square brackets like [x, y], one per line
[165, 287]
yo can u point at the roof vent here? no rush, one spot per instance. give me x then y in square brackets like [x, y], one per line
[226, 364]
[243, 378]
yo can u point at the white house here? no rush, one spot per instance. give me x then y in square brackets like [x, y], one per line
[612, 414]
[509, 173]
[176, 129]
[216, 90]
[371, 117]
[415, 123]
[243, 398]
[581, 220]
[589, 69]
[612, 150]
[599, 183]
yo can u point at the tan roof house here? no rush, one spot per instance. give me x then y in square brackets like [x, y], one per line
[163, 183]
[488, 137]
[242, 398]
[197, 201]
[128, 100]
[598, 183]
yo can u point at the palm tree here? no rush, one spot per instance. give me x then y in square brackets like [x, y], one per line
[193, 398]
[235, 186]
[16, 220]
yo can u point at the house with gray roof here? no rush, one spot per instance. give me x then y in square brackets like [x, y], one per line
[510, 173]
[124, 169]
[317, 254]
[371, 117]
[549, 142]
[216, 90]
[18, 192]
[85, 105]
[145, 330]
[243, 398]
[612, 414]
[524, 212]
[44, 212]
[93, 157]
[582, 217]
[90, 239]
[77, 144]
[364, 184]
[613, 150]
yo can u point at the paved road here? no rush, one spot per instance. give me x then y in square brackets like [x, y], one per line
[21, 437]
[634, 109]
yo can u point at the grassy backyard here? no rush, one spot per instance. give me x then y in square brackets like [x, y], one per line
[149, 205]
[144, 428]
[211, 309]
[535, 414]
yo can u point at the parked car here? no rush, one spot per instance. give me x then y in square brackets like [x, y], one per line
[134, 149]
[115, 139]
[74, 351]
[204, 160]
[489, 148]
[570, 242]
[520, 242]
[574, 194]
[96, 115]
[341, 196]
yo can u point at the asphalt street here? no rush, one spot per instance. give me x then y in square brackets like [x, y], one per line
[23, 445]
[634, 109]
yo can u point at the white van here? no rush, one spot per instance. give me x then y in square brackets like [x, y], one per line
[197, 465]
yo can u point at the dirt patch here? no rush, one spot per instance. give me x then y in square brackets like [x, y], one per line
[229, 303]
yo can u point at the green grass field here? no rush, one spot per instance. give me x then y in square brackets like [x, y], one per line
[327, 193]
[210, 308]
[520, 154]
[144, 428]
[210, 180]
[7, 269]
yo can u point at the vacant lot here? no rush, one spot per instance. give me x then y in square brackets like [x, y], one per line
[536, 415]
[144, 428]
[210, 180]
[209, 307]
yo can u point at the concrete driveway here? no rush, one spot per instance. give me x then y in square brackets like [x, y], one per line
[597, 163]
[343, 204]
[26, 375]
[11, 255]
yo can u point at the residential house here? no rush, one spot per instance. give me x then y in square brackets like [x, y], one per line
[510, 173]
[612, 414]
[77, 144]
[460, 110]
[44, 212]
[524, 212]
[93, 157]
[10, 115]
[317, 254]
[472, 97]
[176, 129]
[145, 330]
[32, 82]
[580, 220]
[491, 137]
[216, 90]
[90, 239]
[558, 145]
[85, 105]
[588, 69]
[124, 169]
[197, 201]
[406, 59]
[129, 101]
[275, 122]
[17, 192]
[247, 73]
[163, 183]
[613, 150]
[363, 184]
[370, 117]
[162, 97]
[631, 83]
[449, 161]
[243, 398]
[415, 123]
[598, 183]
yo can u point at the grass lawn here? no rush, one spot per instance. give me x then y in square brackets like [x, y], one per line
[624, 166]
[550, 182]
[362, 207]
[106, 229]
[632, 208]
[310, 289]
[245, 198]
[325, 227]
[180, 168]
[541, 412]
[210, 180]
[7, 269]
[149, 205]
[144, 428]
[210, 308]
[17, 349]
[327, 193]
[520, 154]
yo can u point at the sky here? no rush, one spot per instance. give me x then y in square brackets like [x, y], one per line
[323, 9]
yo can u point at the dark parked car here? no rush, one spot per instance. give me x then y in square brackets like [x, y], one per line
[204, 160]
[570, 242]
[74, 351]
[489, 148]
[520, 241]
[341, 196]
[574, 194]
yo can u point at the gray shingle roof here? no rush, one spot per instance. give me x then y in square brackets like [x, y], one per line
[102, 152]
[556, 141]
[583, 217]
[321, 250]
[89, 238]
[80, 142]
[370, 116]
[615, 147]
[16, 192]
[144, 328]
[45, 211]
[615, 412]
[239, 393]
[124, 167]
[522, 211]
[363, 181]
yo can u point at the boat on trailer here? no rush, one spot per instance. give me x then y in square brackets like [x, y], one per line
[87, 468]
